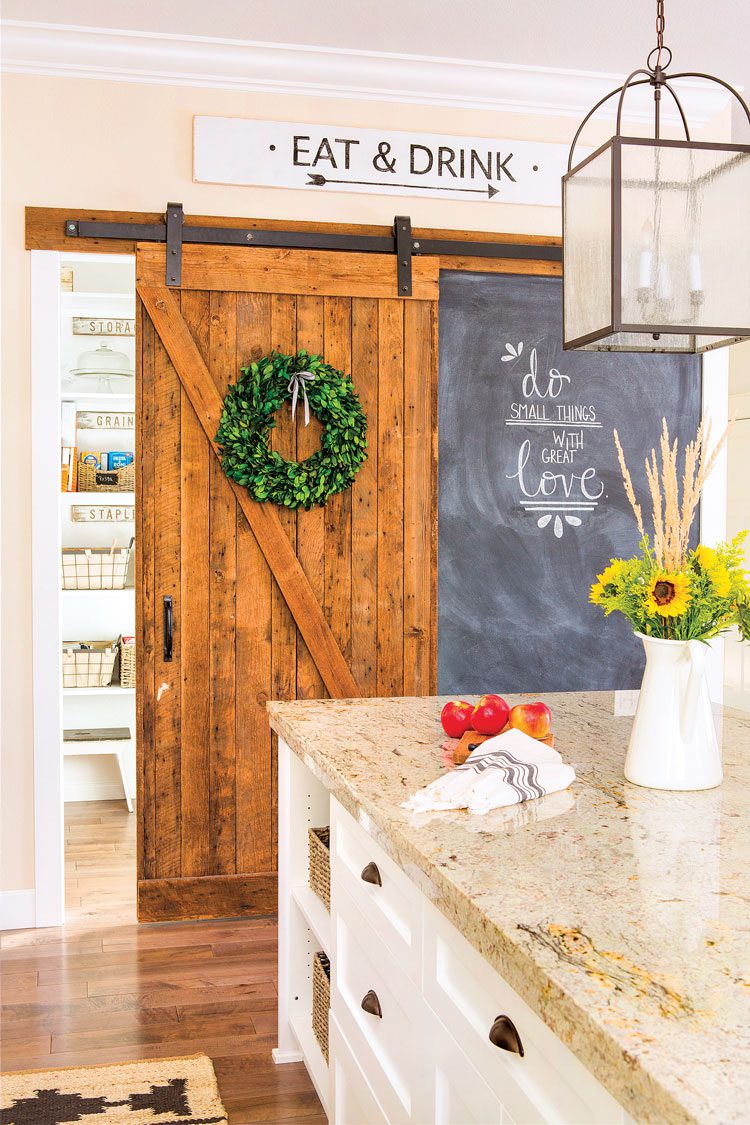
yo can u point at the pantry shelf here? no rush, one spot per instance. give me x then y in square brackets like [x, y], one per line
[102, 398]
[113, 689]
[121, 499]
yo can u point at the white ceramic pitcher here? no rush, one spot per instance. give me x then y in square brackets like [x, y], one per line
[673, 743]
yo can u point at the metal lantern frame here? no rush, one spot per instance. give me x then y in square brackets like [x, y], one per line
[656, 76]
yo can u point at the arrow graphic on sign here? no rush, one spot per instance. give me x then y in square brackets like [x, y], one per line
[316, 180]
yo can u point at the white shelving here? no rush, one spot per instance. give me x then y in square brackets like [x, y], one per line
[316, 1064]
[121, 499]
[71, 595]
[315, 914]
[100, 398]
[113, 689]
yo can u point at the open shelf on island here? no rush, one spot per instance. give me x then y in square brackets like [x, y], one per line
[315, 914]
[301, 1024]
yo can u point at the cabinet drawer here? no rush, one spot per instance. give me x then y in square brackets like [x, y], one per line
[386, 1045]
[352, 1101]
[458, 1093]
[378, 887]
[547, 1084]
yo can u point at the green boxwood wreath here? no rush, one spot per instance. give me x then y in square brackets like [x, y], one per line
[249, 415]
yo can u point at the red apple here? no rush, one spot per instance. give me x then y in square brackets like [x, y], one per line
[534, 719]
[456, 717]
[490, 714]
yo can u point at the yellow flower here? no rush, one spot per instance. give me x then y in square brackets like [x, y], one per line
[611, 573]
[716, 570]
[668, 594]
[597, 593]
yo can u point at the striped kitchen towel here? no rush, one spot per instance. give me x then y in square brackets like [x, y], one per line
[505, 770]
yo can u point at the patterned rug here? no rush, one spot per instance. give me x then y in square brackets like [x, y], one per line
[153, 1092]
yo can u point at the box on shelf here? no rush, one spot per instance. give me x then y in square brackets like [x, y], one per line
[87, 664]
[127, 661]
[95, 568]
[93, 479]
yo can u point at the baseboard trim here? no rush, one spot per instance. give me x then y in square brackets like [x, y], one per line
[103, 791]
[17, 910]
[207, 896]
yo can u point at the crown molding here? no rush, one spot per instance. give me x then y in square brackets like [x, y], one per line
[66, 51]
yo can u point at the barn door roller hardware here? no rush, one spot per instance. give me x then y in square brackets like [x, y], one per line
[174, 231]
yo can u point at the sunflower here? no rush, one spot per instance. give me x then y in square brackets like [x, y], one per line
[667, 594]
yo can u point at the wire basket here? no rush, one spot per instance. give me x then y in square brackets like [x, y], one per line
[87, 664]
[321, 1000]
[91, 479]
[319, 852]
[95, 568]
[127, 661]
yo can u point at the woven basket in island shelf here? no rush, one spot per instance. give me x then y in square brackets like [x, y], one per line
[319, 845]
[321, 1000]
[91, 479]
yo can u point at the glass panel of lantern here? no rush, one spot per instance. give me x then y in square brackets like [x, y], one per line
[656, 247]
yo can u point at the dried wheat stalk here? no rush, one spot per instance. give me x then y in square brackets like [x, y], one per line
[672, 515]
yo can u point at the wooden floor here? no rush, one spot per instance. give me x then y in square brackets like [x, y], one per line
[103, 989]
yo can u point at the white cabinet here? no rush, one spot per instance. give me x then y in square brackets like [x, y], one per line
[413, 1004]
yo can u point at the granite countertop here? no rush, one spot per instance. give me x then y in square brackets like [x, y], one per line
[620, 914]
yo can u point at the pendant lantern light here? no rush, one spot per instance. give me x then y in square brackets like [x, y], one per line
[656, 233]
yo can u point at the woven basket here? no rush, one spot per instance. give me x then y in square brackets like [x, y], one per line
[94, 568]
[91, 479]
[319, 849]
[127, 663]
[321, 1000]
[89, 666]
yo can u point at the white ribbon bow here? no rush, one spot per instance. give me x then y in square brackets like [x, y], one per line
[297, 384]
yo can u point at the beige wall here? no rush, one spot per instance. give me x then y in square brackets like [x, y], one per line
[89, 144]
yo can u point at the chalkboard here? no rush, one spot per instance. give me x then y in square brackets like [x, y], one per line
[515, 563]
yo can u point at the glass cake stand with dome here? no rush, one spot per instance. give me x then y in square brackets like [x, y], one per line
[102, 370]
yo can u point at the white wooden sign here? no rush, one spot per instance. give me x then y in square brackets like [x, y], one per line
[103, 326]
[105, 420]
[106, 513]
[320, 158]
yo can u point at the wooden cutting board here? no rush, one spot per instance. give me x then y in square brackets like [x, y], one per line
[470, 740]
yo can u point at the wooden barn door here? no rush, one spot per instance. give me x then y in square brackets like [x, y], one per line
[267, 603]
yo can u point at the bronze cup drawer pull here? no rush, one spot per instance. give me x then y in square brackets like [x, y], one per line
[370, 874]
[371, 1005]
[503, 1034]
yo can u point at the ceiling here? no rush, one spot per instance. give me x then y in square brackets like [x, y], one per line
[612, 36]
[598, 35]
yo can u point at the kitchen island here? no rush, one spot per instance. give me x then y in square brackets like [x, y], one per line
[606, 927]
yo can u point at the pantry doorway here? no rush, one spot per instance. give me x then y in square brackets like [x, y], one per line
[83, 513]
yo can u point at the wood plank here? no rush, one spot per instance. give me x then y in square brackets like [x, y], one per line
[242, 269]
[364, 502]
[420, 492]
[222, 608]
[194, 599]
[161, 900]
[338, 508]
[253, 643]
[45, 229]
[166, 529]
[310, 525]
[263, 519]
[145, 595]
[390, 499]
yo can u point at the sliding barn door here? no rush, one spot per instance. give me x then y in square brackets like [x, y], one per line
[243, 602]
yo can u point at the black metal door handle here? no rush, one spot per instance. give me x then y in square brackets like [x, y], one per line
[168, 627]
[370, 874]
[371, 1004]
[503, 1034]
